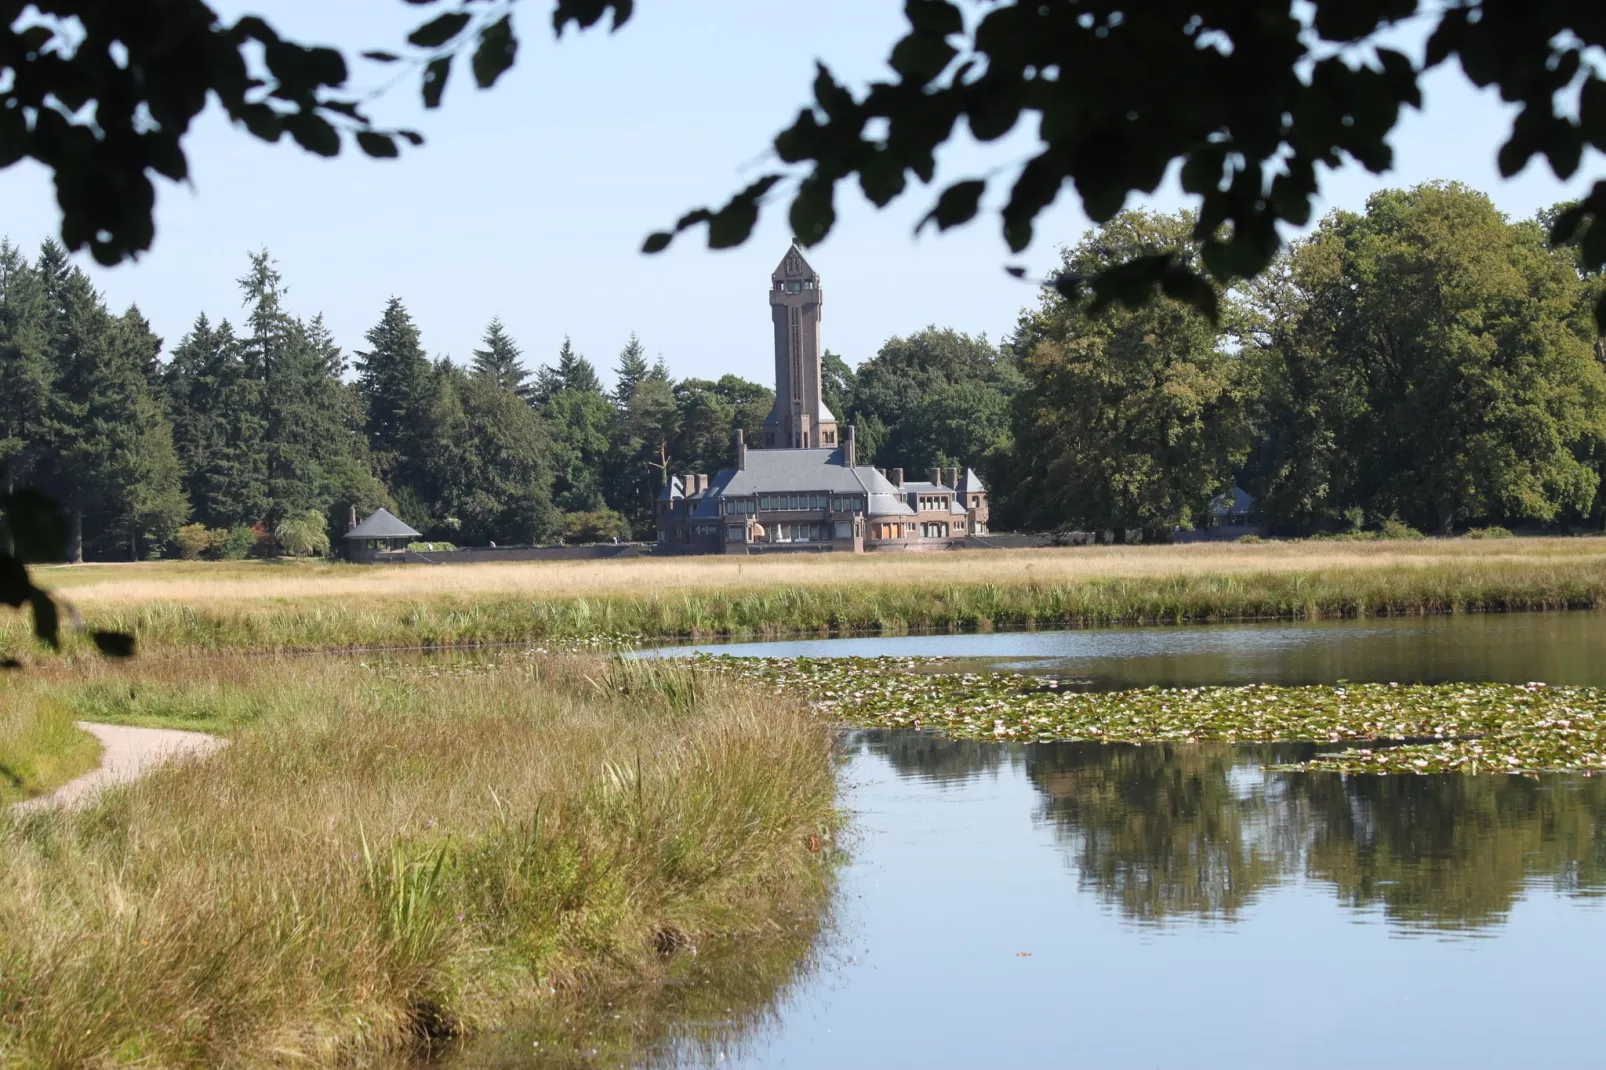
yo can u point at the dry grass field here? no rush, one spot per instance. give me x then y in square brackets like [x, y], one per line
[235, 583]
[180, 607]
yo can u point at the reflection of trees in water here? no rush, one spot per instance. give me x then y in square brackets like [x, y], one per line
[928, 756]
[1454, 851]
[1163, 829]
[1168, 830]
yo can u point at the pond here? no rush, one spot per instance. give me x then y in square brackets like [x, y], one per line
[1558, 648]
[1174, 905]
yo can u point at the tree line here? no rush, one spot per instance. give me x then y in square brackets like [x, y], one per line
[1426, 361]
[261, 437]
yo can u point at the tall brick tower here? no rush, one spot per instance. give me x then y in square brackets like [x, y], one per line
[800, 419]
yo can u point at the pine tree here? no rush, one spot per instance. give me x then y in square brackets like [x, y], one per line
[110, 457]
[217, 426]
[633, 369]
[499, 361]
[395, 380]
[25, 370]
[573, 372]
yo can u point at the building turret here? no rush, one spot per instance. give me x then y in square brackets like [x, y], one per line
[799, 419]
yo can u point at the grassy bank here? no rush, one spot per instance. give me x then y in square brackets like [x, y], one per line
[386, 854]
[39, 748]
[182, 608]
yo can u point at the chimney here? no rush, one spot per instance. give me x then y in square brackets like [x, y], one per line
[741, 450]
[850, 452]
[953, 479]
[935, 475]
[702, 482]
[688, 484]
[895, 476]
[351, 520]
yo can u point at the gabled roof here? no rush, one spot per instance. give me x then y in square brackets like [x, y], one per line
[382, 524]
[970, 483]
[672, 490]
[793, 266]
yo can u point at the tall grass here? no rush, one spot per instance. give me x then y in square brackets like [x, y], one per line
[386, 855]
[40, 749]
[335, 608]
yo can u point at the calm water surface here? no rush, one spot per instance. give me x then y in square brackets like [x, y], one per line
[1558, 648]
[1086, 905]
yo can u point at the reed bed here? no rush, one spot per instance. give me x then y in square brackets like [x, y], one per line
[391, 854]
[180, 611]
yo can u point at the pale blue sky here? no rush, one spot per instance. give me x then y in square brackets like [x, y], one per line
[530, 201]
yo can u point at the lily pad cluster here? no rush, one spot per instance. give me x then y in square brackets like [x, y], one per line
[1372, 728]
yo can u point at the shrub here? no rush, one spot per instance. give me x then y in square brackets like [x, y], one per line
[598, 526]
[1395, 528]
[1493, 531]
[197, 540]
[303, 536]
[1249, 539]
[237, 544]
[430, 547]
[1354, 518]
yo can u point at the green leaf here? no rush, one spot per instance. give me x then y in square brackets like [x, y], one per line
[379, 146]
[38, 528]
[46, 621]
[435, 76]
[313, 133]
[495, 53]
[957, 204]
[439, 30]
[114, 644]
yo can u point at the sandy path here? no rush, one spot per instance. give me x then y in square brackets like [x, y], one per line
[128, 754]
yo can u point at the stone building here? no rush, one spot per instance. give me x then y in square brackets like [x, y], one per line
[805, 489]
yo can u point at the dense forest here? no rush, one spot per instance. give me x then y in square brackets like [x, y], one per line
[1427, 361]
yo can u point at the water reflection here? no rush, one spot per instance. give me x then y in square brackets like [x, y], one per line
[1168, 831]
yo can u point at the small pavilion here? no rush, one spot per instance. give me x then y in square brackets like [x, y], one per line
[381, 532]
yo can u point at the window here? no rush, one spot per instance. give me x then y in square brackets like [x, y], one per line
[794, 286]
[779, 285]
[808, 284]
[844, 529]
[735, 534]
[830, 438]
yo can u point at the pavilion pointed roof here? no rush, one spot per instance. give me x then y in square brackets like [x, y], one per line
[382, 524]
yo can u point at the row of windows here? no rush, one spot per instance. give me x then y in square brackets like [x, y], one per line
[779, 502]
[933, 530]
[933, 503]
[819, 532]
[794, 286]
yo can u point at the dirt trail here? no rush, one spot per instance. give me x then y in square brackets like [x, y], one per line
[128, 754]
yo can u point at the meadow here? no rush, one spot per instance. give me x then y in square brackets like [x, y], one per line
[392, 853]
[201, 607]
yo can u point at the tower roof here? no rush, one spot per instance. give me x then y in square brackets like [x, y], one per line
[793, 266]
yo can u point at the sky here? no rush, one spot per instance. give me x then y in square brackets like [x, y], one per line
[530, 201]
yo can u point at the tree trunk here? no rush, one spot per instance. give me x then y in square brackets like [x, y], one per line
[1119, 537]
[75, 537]
[133, 546]
[1446, 521]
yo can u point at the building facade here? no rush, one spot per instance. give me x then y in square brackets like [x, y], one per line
[804, 489]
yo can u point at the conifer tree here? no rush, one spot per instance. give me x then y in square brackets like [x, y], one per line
[395, 380]
[500, 361]
[25, 370]
[217, 426]
[110, 458]
[633, 368]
